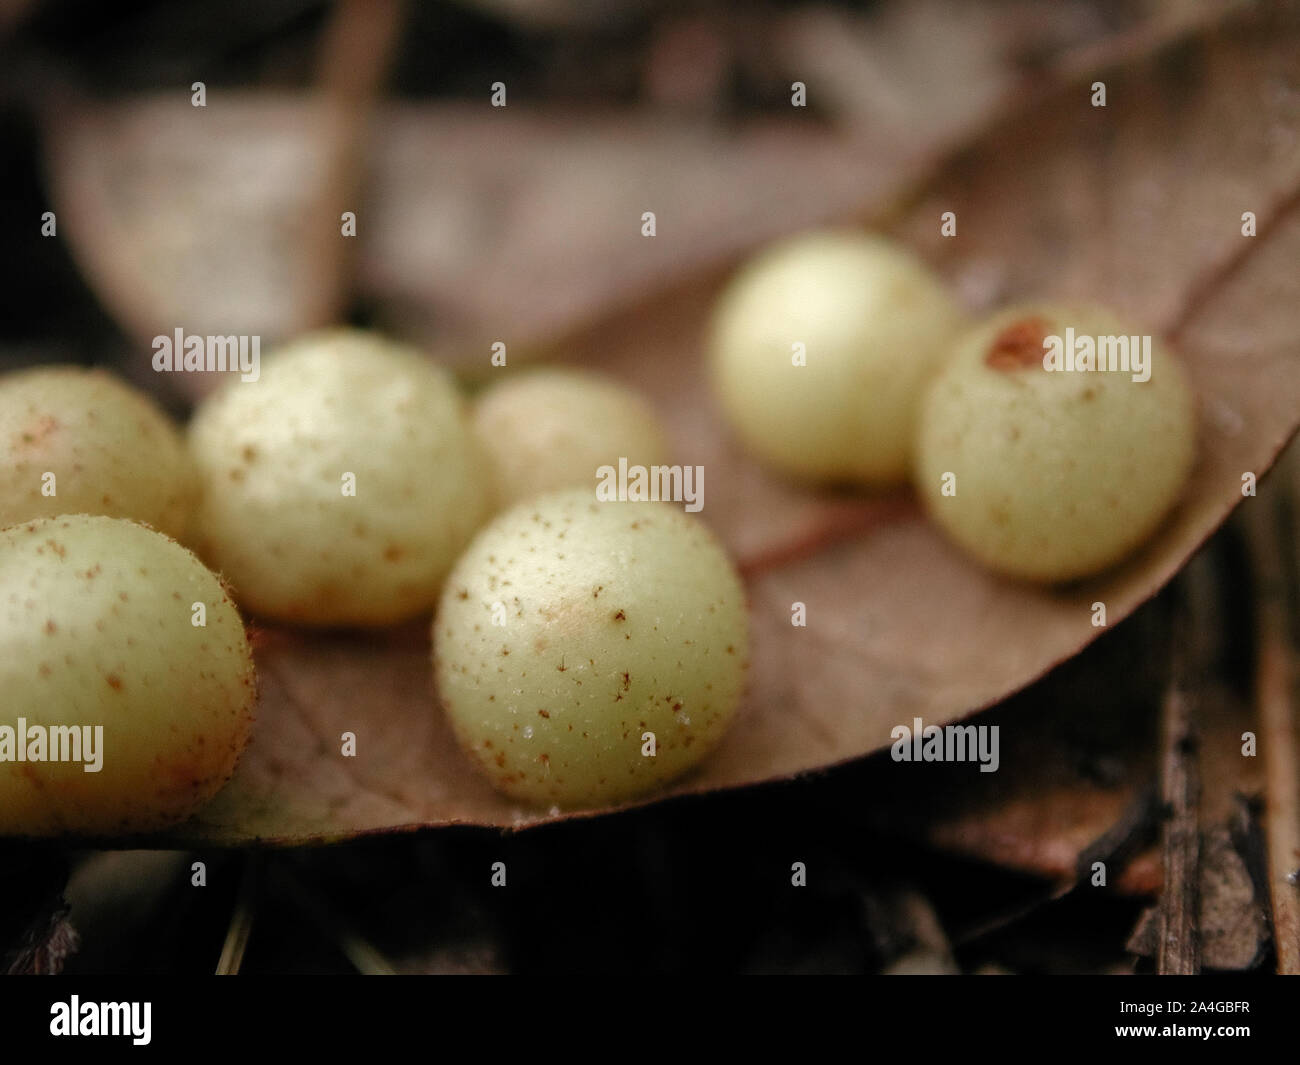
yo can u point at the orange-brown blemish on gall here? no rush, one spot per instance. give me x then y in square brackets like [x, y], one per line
[1019, 346]
[37, 431]
[114, 682]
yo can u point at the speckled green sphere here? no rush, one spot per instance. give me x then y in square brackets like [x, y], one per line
[819, 350]
[543, 430]
[99, 630]
[574, 637]
[75, 441]
[1051, 474]
[340, 486]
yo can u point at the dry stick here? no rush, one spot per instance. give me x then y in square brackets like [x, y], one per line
[355, 56]
[241, 921]
[1274, 689]
[1179, 949]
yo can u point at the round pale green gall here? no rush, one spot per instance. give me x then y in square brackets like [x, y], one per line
[1044, 461]
[78, 441]
[544, 430]
[128, 683]
[819, 351]
[588, 652]
[340, 486]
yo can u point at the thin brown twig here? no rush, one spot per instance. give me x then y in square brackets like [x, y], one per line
[1179, 952]
[355, 56]
[241, 920]
[1275, 673]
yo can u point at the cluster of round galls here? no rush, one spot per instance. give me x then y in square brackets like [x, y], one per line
[585, 652]
[338, 489]
[838, 357]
